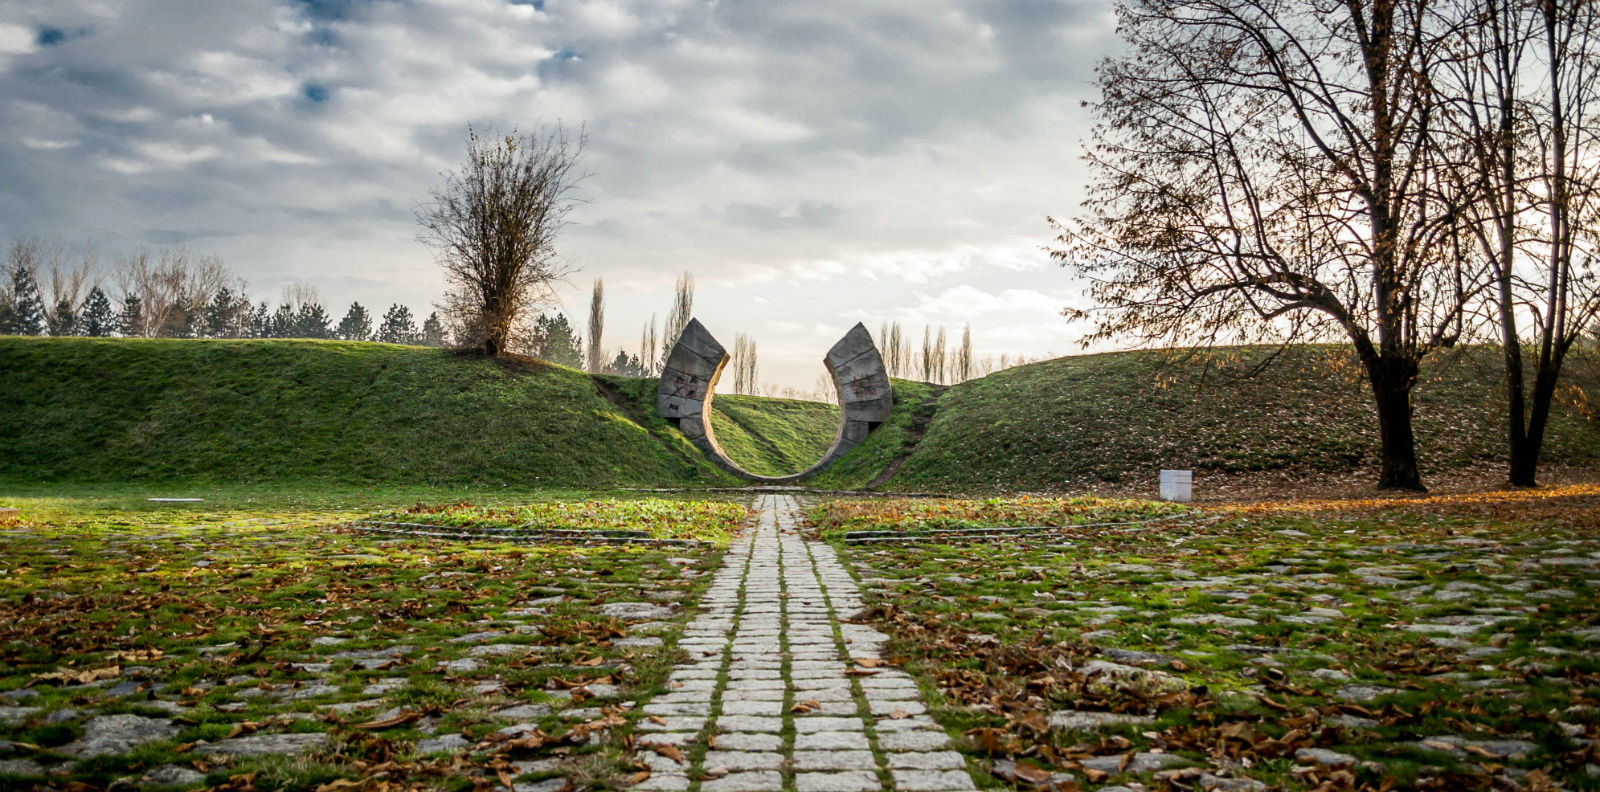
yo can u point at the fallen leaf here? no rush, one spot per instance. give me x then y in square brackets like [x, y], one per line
[403, 718]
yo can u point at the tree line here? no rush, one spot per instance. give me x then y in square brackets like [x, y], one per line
[47, 289]
[1404, 175]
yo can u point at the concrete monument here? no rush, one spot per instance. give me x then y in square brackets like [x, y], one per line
[690, 379]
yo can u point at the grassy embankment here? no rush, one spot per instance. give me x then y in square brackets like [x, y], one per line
[357, 415]
[1075, 422]
[349, 414]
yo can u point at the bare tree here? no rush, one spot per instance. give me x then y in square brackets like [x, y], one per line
[597, 325]
[1523, 91]
[925, 360]
[649, 355]
[493, 227]
[1265, 169]
[940, 359]
[745, 367]
[678, 317]
[963, 363]
[172, 286]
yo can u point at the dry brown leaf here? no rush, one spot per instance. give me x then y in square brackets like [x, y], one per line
[243, 728]
[403, 718]
[77, 677]
[1032, 773]
[670, 751]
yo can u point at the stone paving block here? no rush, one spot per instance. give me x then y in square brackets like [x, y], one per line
[888, 707]
[749, 742]
[806, 724]
[750, 706]
[835, 760]
[744, 760]
[914, 741]
[927, 760]
[849, 781]
[672, 724]
[931, 780]
[831, 741]
[662, 783]
[755, 781]
[749, 723]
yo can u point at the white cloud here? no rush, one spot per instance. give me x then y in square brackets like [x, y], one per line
[812, 163]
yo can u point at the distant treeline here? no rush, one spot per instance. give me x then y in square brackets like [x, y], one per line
[46, 289]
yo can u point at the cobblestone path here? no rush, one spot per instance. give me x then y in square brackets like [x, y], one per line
[773, 699]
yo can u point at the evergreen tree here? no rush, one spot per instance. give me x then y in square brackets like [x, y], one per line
[554, 341]
[625, 365]
[63, 321]
[259, 321]
[281, 323]
[27, 314]
[131, 321]
[311, 321]
[223, 313]
[356, 324]
[398, 327]
[433, 331]
[98, 321]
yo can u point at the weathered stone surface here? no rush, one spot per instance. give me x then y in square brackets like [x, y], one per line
[635, 610]
[117, 734]
[173, 775]
[1090, 721]
[449, 743]
[849, 781]
[263, 744]
[689, 380]
[1143, 762]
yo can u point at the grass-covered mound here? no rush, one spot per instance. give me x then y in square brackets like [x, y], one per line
[1067, 423]
[87, 410]
[773, 437]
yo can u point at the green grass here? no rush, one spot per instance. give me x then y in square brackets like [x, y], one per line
[230, 606]
[350, 415]
[1073, 422]
[773, 437]
[1268, 620]
[347, 414]
[890, 441]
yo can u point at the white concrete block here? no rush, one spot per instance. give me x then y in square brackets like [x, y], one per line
[1177, 485]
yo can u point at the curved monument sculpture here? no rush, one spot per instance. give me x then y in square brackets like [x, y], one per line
[690, 379]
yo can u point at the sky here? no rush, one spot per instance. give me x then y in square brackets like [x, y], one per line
[813, 164]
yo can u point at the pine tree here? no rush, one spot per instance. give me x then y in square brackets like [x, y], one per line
[281, 324]
[222, 313]
[131, 321]
[27, 307]
[555, 342]
[356, 324]
[98, 321]
[433, 331]
[259, 325]
[311, 321]
[63, 320]
[398, 327]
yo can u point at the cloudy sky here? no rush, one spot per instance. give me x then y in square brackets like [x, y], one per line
[814, 164]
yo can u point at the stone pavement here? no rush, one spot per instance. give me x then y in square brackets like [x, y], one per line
[773, 697]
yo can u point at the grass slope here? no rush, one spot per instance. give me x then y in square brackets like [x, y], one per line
[90, 410]
[1116, 417]
[893, 440]
[773, 437]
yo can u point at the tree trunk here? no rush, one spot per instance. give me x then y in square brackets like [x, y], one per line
[1392, 380]
[1525, 455]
